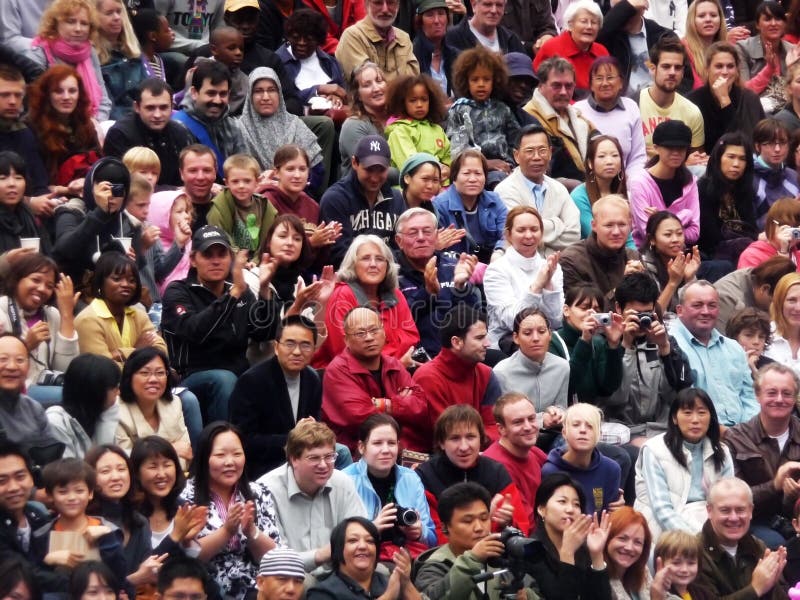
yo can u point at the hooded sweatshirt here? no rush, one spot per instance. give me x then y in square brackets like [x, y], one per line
[160, 209]
[600, 481]
[769, 185]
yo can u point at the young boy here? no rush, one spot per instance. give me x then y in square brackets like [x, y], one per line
[227, 47]
[145, 162]
[154, 264]
[679, 552]
[244, 215]
[69, 484]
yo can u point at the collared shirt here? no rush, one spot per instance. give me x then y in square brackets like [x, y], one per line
[305, 522]
[720, 368]
[538, 190]
[593, 103]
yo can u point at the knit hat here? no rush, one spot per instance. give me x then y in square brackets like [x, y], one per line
[415, 160]
[281, 562]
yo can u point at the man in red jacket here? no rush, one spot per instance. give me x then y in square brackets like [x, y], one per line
[361, 381]
[458, 375]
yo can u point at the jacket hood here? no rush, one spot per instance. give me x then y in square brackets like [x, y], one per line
[556, 457]
[98, 172]
[160, 209]
[260, 73]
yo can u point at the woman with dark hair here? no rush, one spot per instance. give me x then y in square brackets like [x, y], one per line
[314, 71]
[114, 500]
[386, 488]
[614, 114]
[459, 434]
[48, 331]
[17, 222]
[571, 564]
[147, 405]
[159, 481]
[354, 557]
[435, 55]
[467, 195]
[17, 581]
[765, 56]
[772, 179]
[727, 222]
[604, 175]
[242, 524]
[59, 112]
[88, 413]
[664, 255]
[93, 580]
[111, 326]
[726, 106]
[666, 183]
[89, 225]
[675, 469]
[420, 180]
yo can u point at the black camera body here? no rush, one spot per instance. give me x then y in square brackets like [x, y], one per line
[645, 319]
[49, 377]
[117, 190]
[406, 517]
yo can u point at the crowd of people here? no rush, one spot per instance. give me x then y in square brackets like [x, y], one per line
[399, 299]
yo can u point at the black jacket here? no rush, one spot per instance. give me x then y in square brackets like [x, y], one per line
[266, 419]
[439, 473]
[23, 142]
[613, 36]
[423, 49]
[530, 20]
[204, 332]
[741, 114]
[130, 131]
[461, 38]
[49, 581]
[561, 581]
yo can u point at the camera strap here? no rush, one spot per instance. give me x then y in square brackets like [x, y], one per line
[471, 243]
[16, 329]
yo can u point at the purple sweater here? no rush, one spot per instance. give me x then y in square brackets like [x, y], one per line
[643, 192]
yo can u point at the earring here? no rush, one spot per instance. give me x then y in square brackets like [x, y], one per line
[621, 175]
[591, 176]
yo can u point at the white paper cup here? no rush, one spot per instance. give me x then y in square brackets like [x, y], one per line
[125, 241]
[32, 243]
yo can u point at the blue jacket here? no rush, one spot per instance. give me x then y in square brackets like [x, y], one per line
[770, 185]
[345, 202]
[491, 218]
[429, 311]
[408, 493]
[326, 61]
[600, 482]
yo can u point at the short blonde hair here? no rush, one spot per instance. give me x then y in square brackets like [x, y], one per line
[140, 158]
[241, 161]
[587, 412]
[610, 200]
[307, 435]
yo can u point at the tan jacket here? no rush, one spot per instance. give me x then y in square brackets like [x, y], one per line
[133, 426]
[361, 42]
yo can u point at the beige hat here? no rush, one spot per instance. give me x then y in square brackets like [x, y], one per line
[234, 5]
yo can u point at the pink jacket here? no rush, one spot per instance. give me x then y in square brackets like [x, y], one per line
[759, 251]
[643, 191]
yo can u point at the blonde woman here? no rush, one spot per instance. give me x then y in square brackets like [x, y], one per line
[705, 24]
[790, 114]
[786, 322]
[119, 54]
[67, 31]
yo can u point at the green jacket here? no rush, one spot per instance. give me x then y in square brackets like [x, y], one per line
[595, 369]
[407, 137]
[442, 576]
[223, 215]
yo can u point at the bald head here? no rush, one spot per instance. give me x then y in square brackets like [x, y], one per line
[14, 364]
[364, 335]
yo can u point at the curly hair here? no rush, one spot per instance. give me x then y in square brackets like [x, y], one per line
[60, 138]
[401, 88]
[307, 21]
[59, 10]
[476, 57]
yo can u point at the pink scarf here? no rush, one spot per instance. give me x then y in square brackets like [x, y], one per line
[78, 56]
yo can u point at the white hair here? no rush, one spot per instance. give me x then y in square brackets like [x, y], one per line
[589, 6]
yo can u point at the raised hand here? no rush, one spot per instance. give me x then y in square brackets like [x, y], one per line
[66, 297]
[431, 274]
[449, 236]
[597, 536]
[502, 509]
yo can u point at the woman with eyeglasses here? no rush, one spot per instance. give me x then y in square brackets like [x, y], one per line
[368, 277]
[242, 523]
[614, 114]
[772, 179]
[393, 495]
[148, 406]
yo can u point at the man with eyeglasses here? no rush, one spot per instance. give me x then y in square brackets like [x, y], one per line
[484, 28]
[311, 497]
[375, 38]
[432, 281]
[362, 380]
[766, 453]
[22, 419]
[569, 132]
[295, 392]
[184, 578]
[529, 185]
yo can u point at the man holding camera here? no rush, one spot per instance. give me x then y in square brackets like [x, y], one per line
[653, 367]
[766, 453]
[719, 364]
[451, 570]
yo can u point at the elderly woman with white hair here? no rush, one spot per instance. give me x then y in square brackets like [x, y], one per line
[368, 277]
[577, 43]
